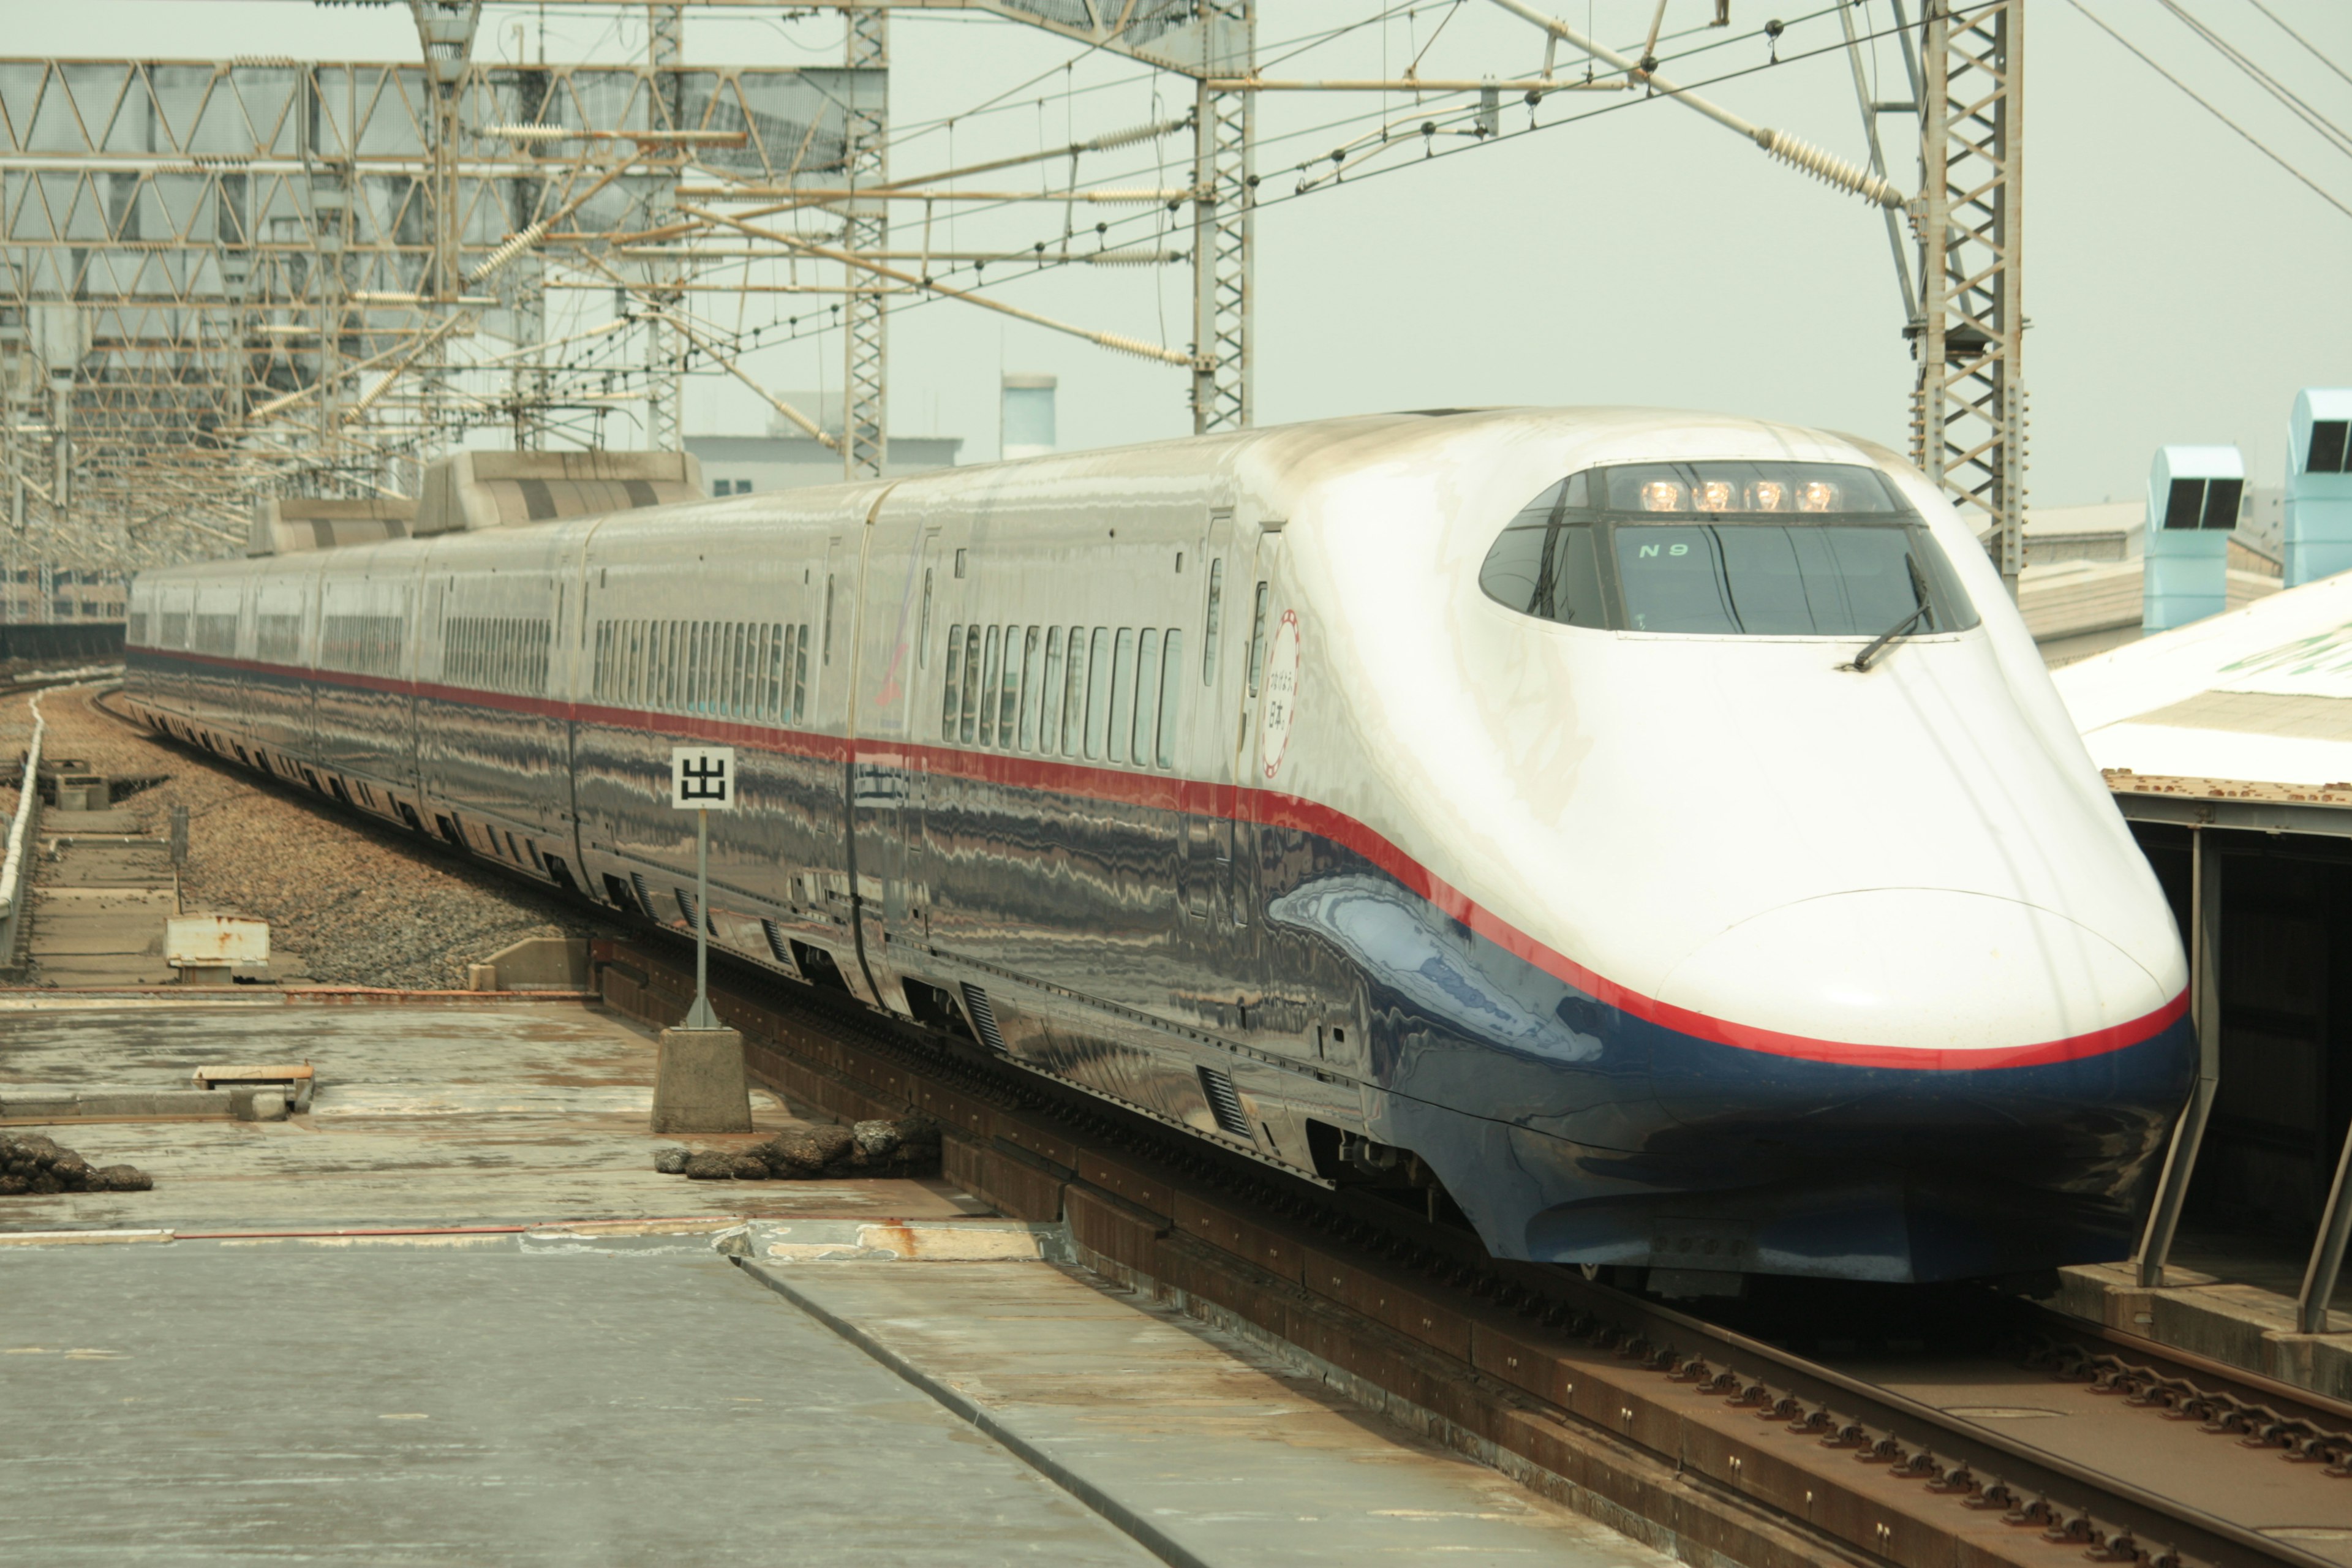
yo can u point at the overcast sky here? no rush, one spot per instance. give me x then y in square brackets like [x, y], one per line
[2181, 284]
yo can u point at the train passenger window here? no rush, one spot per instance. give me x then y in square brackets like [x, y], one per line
[1214, 628]
[1074, 695]
[1049, 700]
[1008, 706]
[967, 724]
[1033, 655]
[1145, 739]
[1098, 691]
[952, 691]
[1172, 685]
[1122, 695]
[988, 688]
[800, 674]
[777, 633]
[1257, 640]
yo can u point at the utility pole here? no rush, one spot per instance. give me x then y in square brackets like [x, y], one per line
[865, 379]
[1224, 199]
[665, 384]
[1967, 419]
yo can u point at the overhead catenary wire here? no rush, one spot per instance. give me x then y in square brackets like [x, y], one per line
[1048, 262]
[2293, 101]
[2252, 140]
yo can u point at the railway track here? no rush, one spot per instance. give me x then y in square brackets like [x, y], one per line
[1998, 1430]
[1917, 1427]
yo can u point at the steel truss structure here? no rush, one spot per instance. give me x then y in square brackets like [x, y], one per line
[220, 281]
[1968, 415]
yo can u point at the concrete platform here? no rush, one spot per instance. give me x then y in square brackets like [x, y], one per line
[452, 1315]
[223, 1402]
[518, 1113]
[2229, 1298]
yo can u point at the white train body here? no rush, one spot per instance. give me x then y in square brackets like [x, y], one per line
[1688, 948]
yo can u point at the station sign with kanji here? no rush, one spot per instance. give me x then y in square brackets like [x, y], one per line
[703, 778]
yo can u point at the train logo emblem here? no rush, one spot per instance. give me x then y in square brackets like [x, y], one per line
[1279, 705]
[703, 778]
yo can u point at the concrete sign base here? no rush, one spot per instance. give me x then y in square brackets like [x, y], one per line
[700, 1084]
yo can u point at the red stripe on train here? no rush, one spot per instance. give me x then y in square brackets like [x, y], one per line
[1262, 807]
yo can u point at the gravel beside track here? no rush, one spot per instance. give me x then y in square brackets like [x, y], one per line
[350, 901]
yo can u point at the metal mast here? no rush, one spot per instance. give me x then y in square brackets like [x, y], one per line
[865, 380]
[665, 382]
[1224, 197]
[1968, 419]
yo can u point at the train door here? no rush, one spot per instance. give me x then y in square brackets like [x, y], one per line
[902, 597]
[1207, 894]
[1251, 842]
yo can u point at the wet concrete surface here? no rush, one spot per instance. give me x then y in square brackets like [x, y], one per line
[216, 1402]
[571, 1359]
[1214, 1452]
[514, 1113]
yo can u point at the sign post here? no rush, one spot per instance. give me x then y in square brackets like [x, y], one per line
[702, 780]
[699, 1085]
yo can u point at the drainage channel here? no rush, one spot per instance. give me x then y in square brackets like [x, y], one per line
[1683, 1432]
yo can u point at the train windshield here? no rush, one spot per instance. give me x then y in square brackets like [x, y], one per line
[1727, 549]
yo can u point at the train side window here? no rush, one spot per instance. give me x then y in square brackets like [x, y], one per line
[1215, 623]
[1049, 700]
[1172, 687]
[1098, 691]
[971, 718]
[989, 655]
[952, 691]
[1257, 640]
[777, 633]
[1008, 703]
[1033, 655]
[1074, 695]
[1147, 699]
[741, 698]
[800, 674]
[923, 627]
[1122, 695]
[827, 650]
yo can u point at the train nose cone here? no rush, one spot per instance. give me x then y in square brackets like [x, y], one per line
[1903, 977]
[1908, 1084]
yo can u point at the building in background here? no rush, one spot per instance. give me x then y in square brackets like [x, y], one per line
[47, 595]
[1025, 416]
[2084, 587]
[789, 458]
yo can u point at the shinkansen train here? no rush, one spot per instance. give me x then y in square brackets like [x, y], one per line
[1650, 837]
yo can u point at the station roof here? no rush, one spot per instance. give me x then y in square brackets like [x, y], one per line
[2241, 719]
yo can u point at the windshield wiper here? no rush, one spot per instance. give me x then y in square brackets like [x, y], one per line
[1900, 629]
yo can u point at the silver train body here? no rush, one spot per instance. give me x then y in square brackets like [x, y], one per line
[1482, 803]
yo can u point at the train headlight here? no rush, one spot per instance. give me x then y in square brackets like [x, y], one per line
[1662, 495]
[1768, 495]
[1817, 495]
[1713, 495]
